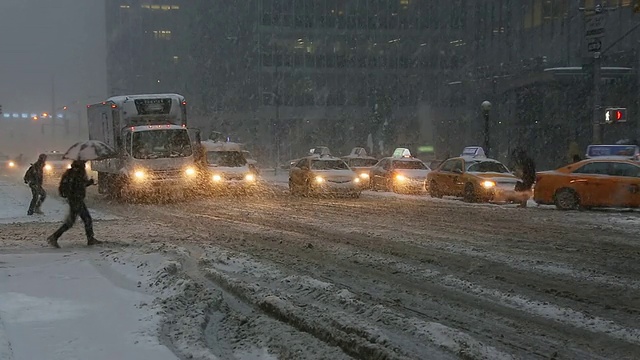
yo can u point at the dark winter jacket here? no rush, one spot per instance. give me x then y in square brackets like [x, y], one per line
[528, 172]
[73, 184]
[35, 174]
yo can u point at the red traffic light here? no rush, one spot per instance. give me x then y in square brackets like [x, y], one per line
[618, 115]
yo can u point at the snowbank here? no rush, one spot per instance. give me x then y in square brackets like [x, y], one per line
[74, 306]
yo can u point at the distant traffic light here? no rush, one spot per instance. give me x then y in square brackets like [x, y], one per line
[615, 115]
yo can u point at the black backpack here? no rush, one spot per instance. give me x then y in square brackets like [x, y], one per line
[29, 176]
[64, 189]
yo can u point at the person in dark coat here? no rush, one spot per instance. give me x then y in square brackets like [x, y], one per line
[34, 177]
[73, 187]
[527, 169]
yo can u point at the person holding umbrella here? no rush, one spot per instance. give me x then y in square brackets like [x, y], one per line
[73, 187]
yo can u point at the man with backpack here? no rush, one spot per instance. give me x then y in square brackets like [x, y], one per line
[73, 187]
[34, 177]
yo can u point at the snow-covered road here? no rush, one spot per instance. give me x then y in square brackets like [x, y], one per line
[381, 277]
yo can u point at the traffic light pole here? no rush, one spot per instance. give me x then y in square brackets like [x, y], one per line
[597, 98]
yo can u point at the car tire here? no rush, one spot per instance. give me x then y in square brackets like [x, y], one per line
[566, 199]
[433, 190]
[470, 195]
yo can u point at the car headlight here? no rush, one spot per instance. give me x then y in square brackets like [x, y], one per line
[319, 179]
[401, 178]
[12, 164]
[190, 171]
[364, 176]
[356, 180]
[139, 175]
[488, 184]
[48, 167]
[250, 177]
[217, 178]
[69, 166]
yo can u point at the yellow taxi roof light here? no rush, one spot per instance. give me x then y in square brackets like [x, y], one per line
[401, 153]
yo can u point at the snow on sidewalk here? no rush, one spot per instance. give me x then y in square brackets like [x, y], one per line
[63, 305]
[15, 199]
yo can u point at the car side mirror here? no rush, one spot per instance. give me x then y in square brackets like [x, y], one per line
[457, 171]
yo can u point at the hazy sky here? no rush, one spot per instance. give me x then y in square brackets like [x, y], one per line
[42, 38]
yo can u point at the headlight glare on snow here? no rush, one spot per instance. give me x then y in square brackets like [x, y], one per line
[488, 184]
[190, 172]
[217, 178]
[250, 177]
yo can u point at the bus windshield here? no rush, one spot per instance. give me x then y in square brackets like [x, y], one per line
[159, 144]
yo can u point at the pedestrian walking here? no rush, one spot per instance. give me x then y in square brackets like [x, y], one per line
[34, 177]
[527, 171]
[73, 187]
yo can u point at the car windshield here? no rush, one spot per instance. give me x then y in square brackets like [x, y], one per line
[487, 166]
[54, 157]
[226, 158]
[362, 162]
[158, 144]
[410, 165]
[329, 165]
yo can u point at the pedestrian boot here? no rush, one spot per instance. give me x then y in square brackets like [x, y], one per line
[53, 242]
[93, 241]
[38, 211]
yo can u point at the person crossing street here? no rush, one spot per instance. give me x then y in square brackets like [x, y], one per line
[34, 177]
[73, 187]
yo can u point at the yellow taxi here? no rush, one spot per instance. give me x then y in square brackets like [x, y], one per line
[597, 182]
[475, 179]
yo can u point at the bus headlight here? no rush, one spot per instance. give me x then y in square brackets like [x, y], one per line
[250, 177]
[190, 172]
[217, 178]
[488, 184]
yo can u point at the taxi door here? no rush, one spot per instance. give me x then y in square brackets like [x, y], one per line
[378, 175]
[447, 178]
[625, 185]
[593, 184]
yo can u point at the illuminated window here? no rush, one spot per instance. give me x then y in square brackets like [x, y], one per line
[160, 7]
[125, 6]
[162, 34]
[176, 59]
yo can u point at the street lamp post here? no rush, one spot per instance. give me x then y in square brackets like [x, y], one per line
[486, 108]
